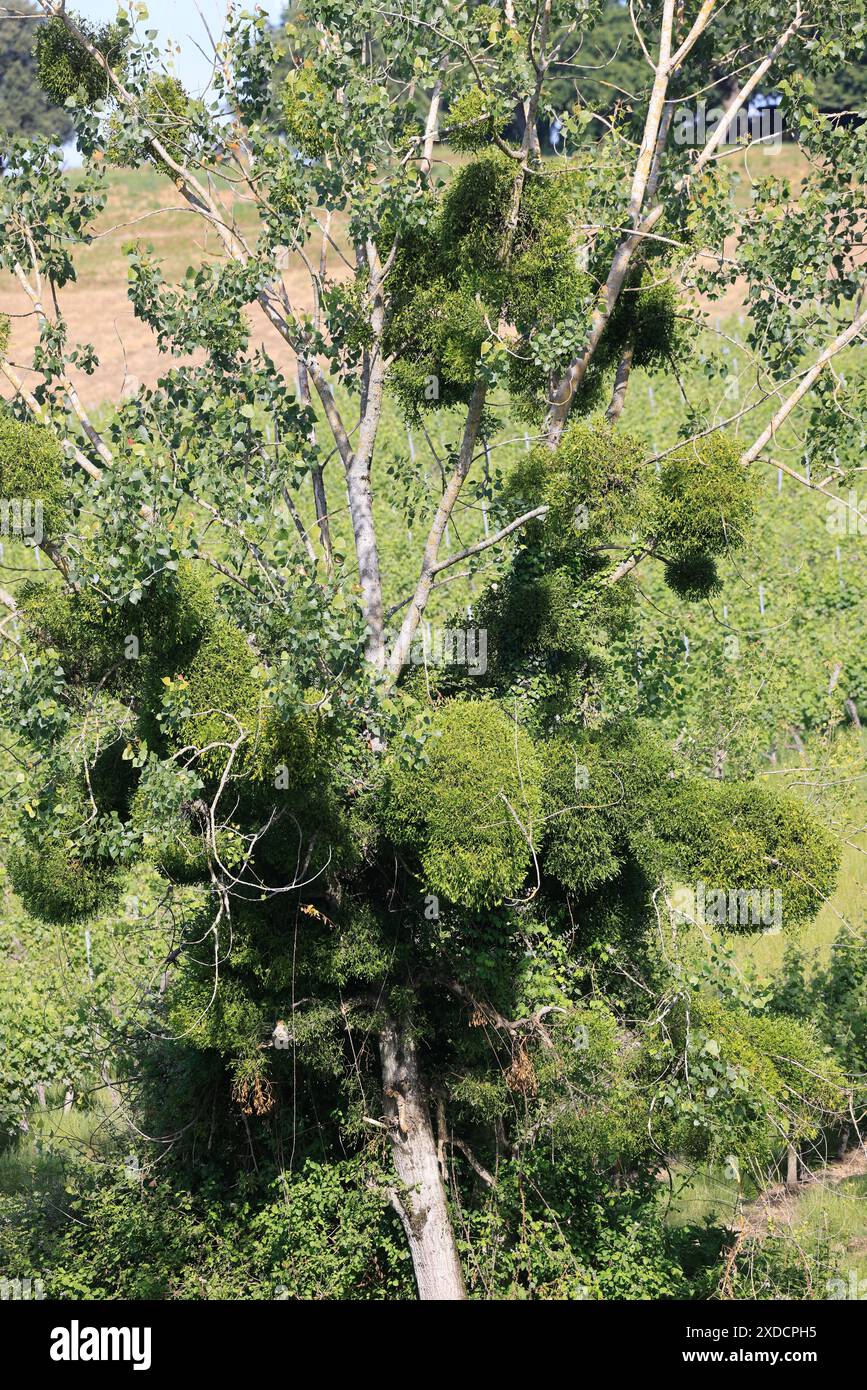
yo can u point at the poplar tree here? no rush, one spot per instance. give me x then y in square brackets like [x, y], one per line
[423, 910]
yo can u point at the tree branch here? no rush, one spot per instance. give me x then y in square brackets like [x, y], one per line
[404, 640]
[493, 539]
[855, 329]
[621, 382]
[563, 392]
[71, 393]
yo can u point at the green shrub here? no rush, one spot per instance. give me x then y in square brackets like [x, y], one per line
[31, 470]
[65, 69]
[471, 811]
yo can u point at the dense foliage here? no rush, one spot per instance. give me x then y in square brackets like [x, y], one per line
[426, 969]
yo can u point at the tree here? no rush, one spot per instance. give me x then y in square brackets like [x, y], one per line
[419, 910]
[24, 108]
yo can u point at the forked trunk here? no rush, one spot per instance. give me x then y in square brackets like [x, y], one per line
[421, 1201]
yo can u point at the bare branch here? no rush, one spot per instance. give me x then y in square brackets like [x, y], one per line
[401, 648]
[493, 539]
[855, 329]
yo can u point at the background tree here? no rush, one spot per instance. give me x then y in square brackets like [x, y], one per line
[24, 107]
[419, 916]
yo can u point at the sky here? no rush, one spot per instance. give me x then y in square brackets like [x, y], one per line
[181, 20]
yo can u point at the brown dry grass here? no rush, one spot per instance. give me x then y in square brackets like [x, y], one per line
[144, 206]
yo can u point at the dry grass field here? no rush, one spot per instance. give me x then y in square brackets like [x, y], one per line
[143, 207]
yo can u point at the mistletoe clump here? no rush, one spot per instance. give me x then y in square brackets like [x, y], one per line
[304, 100]
[31, 471]
[693, 577]
[220, 709]
[86, 632]
[552, 610]
[475, 117]
[234, 1021]
[648, 328]
[123, 647]
[471, 810]
[555, 618]
[65, 69]
[436, 327]
[467, 268]
[616, 803]
[442, 332]
[739, 835]
[608, 797]
[223, 698]
[649, 320]
[166, 112]
[590, 484]
[705, 499]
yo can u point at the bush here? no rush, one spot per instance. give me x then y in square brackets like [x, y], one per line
[65, 69]
[31, 471]
[471, 811]
[325, 1232]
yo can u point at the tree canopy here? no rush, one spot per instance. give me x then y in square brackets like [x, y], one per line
[422, 911]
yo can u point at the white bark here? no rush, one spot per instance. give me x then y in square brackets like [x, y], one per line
[644, 182]
[429, 563]
[421, 1201]
[792, 1182]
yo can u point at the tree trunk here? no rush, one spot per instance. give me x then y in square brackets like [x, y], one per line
[792, 1168]
[421, 1204]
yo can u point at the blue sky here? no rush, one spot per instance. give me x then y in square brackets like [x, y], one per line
[180, 20]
